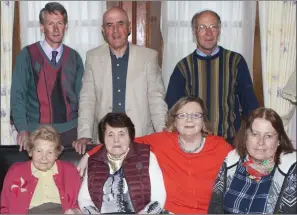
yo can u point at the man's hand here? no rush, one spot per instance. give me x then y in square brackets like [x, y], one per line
[80, 145]
[23, 139]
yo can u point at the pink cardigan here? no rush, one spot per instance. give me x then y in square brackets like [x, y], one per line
[19, 186]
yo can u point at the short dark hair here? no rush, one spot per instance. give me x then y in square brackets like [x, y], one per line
[116, 120]
[285, 144]
[53, 7]
[206, 130]
[197, 15]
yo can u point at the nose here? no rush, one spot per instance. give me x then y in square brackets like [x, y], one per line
[208, 31]
[116, 139]
[56, 28]
[189, 118]
[261, 141]
[44, 156]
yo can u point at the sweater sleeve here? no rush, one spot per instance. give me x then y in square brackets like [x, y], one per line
[85, 202]
[216, 205]
[289, 198]
[79, 74]
[19, 83]
[158, 192]
[245, 89]
[73, 183]
[5, 194]
[176, 87]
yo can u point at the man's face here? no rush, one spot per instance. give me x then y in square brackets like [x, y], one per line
[207, 32]
[53, 28]
[116, 28]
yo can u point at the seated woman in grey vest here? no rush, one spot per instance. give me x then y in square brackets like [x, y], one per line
[259, 175]
[123, 176]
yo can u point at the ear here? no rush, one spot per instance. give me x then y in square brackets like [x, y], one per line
[41, 28]
[129, 28]
[30, 153]
[66, 27]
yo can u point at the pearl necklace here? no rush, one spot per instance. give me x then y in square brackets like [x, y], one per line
[181, 144]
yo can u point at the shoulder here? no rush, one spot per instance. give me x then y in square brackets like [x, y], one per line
[218, 144]
[144, 51]
[287, 162]
[103, 49]
[185, 59]
[217, 141]
[71, 50]
[230, 52]
[141, 147]
[67, 166]
[18, 168]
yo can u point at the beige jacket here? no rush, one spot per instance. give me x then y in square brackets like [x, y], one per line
[145, 91]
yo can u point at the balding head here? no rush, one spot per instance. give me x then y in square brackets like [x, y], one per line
[116, 29]
[115, 9]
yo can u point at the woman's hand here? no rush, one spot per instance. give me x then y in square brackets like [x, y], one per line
[81, 166]
[73, 211]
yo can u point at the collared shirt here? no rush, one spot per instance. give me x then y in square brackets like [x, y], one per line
[200, 53]
[48, 50]
[245, 195]
[46, 189]
[119, 76]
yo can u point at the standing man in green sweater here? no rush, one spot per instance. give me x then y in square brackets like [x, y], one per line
[46, 81]
[219, 76]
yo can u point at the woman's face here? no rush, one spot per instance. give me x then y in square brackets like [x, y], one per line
[43, 154]
[117, 140]
[189, 119]
[262, 140]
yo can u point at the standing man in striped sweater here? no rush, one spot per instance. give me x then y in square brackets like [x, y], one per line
[219, 76]
[46, 81]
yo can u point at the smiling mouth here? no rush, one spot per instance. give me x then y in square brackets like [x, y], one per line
[189, 126]
[117, 147]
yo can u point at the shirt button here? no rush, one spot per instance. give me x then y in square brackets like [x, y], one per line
[118, 78]
[119, 90]
[118, 64]
[120, 104]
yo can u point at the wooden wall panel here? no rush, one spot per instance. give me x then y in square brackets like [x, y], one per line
[257, 67]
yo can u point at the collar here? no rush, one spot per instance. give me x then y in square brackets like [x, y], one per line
[200, 53]
[37, 173]
[118, 57]
[48, 49]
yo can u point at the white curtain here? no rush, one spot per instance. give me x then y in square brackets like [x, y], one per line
[237, 32]
[84, 24]
[278, 51]
[7, 15]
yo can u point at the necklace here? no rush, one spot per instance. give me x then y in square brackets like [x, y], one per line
[181, 144]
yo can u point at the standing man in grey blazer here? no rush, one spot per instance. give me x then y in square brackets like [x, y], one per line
[120, 77]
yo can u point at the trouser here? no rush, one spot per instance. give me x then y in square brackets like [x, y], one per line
[68, 137]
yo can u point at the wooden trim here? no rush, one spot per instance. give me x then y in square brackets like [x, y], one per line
[134, 22]
[16, 35]
[121, 4]
[148, 25]
[257, 64]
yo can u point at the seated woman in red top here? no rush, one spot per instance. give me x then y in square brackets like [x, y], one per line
[44, 184]
[188, 155]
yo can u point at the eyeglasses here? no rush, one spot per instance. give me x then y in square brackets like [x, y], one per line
[186, 115]
[213, 28]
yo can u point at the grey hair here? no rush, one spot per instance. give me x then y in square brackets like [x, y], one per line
[53, 7]
[197, 15]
